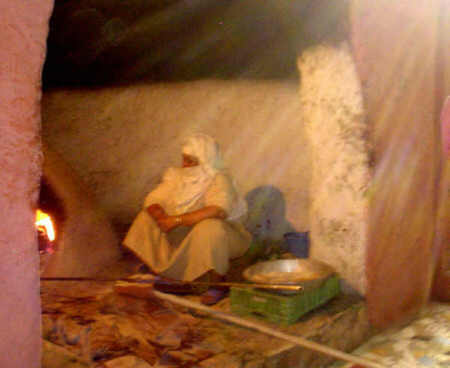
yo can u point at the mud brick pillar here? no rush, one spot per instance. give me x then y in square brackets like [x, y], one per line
[333, 115]
[23, 33]
[395, 47]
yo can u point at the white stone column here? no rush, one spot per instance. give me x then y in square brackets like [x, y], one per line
[333, 112]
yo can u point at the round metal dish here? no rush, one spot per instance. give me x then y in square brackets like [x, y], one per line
[308, 273]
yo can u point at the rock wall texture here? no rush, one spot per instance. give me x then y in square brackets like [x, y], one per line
[441, 287]
[441, 282]
[23, 31]
[119, 141]
[86, 241]
[333, 112]
[396, 61]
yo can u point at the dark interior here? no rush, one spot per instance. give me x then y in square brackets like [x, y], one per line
[100, 42]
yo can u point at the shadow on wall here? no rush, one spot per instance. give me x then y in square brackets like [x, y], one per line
[266, 214]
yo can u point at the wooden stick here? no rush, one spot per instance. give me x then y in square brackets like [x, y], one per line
[162, 282]
[270, 331]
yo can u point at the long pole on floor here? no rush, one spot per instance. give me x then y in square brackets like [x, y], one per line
[269, 331]
[167, 283]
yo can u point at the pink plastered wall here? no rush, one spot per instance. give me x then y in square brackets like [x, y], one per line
[395, 45]
[445, 128]
[23, 32]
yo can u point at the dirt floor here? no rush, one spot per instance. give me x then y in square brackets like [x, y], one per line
[89, 324]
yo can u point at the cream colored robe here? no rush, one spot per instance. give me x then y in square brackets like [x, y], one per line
[186, 253]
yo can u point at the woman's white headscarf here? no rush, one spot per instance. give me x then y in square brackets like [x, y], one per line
[182, 188]
[206, 150]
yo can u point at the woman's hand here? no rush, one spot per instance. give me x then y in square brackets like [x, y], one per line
[156, 211]
[164, 222]
[167, 223]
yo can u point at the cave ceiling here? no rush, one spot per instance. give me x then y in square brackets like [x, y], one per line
[99, 42]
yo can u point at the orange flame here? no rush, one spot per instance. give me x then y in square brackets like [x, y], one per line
[44, 223]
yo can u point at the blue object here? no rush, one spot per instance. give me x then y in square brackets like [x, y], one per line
[297, 243]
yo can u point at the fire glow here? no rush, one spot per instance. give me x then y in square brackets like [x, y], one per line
[44, 224]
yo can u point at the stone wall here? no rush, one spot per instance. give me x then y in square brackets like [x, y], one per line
[119, 140]
[23, 30]
[441, 287]
[334, 117]
[397, 64]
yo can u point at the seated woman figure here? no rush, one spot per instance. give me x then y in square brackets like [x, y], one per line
[190, 224]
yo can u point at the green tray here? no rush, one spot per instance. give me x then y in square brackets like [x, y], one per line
[282, 309]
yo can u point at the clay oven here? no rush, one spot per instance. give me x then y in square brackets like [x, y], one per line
[86, 241]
